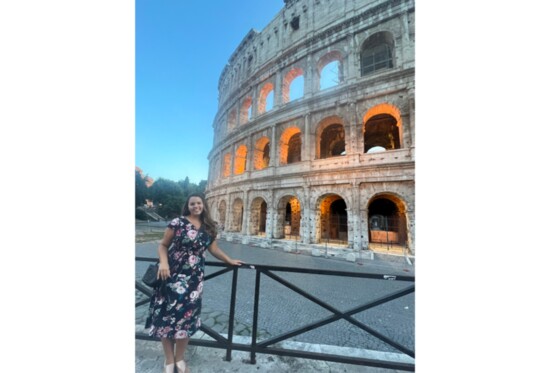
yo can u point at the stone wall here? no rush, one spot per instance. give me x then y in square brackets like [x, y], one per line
[311, 161]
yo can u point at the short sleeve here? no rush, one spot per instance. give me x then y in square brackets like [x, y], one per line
[174, 224]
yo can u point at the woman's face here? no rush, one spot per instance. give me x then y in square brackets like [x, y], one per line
[195, 206]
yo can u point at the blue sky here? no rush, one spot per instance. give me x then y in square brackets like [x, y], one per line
[181, 50]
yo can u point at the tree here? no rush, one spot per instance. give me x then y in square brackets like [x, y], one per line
[142, 192]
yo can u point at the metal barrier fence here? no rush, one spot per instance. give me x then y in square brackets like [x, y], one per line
[266, 346]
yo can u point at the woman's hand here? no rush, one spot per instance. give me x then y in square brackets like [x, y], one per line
[235, 262]
[164, 271]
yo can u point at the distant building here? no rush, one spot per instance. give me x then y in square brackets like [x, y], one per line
[314, 135]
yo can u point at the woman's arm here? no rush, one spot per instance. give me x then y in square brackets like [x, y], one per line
[218, 253]
[164, 269]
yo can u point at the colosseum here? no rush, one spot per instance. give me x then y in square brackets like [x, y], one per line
[314, 134]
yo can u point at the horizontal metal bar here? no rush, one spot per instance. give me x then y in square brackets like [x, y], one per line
[338, 315]
[144, 289]
[216, 274]
[142, 302]
[375, 276]
[146, 259]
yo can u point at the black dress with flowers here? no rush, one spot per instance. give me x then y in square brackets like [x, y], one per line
[175, 309]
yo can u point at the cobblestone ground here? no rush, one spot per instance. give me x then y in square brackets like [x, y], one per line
[282, 310]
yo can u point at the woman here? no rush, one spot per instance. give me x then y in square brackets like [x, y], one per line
[174, 312]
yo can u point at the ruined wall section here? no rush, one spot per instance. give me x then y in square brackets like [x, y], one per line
[302, 38]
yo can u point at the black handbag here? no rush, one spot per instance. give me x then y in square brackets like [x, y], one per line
[150, 276]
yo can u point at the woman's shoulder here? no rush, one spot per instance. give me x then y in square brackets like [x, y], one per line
[176, 222]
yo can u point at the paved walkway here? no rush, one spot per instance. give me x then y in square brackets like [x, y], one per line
[149, 356]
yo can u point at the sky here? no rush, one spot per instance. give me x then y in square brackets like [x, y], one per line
[181, 49]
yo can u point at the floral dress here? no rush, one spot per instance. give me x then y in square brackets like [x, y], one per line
[175, 308]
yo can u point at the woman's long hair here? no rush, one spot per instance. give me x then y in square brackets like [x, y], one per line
[209, 224]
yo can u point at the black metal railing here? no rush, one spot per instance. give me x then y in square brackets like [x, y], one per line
[267, 346]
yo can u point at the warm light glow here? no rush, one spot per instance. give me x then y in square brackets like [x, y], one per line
[240, 159]
[383, 109]
[227, 165]
[285, 138]
[261, 159]
[323, 148]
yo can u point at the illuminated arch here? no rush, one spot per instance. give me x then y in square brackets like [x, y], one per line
[261, 153]
[290, 146]
[240, 159]
[387, 110]
[325, 144]
[226, 165]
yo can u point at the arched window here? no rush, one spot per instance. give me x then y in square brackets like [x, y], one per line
[265, 102]
[246, 112]
[333, 141]
[293, 85]
[232, 120]
[330, 76]
[226, 165]
[329, 70]
[240, 159]
[290, 146]
[377, 53]
[381, 131]
[261, 154]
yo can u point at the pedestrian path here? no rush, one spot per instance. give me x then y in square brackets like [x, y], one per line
[149, 356]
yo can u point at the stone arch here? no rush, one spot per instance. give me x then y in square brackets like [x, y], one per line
[382, 126]
[232, 120]
[287, 81]
[331, 219]
[290, 146]
[240, 159]
[226, 165]
[245, 114]
[387, 220]
[236, 216]
[262, 153]
[326, 59]
[258, 217]
[222, 210]
[264, 92]
[288, 217]
[377, 52]
[330, 138]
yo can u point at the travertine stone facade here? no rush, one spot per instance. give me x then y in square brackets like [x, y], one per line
[304, 155]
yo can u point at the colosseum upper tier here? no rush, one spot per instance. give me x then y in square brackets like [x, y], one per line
[314, 134]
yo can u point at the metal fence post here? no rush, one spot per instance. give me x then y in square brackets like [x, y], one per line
[232, 313]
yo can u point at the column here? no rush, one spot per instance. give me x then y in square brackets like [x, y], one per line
[356, 214]
[307, 139]
[278, 90]
[274, 159]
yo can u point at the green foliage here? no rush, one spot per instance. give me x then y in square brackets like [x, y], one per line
[168, 196]
[141, 215]
[142, 192]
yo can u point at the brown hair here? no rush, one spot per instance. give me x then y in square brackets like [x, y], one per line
[209, 224]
